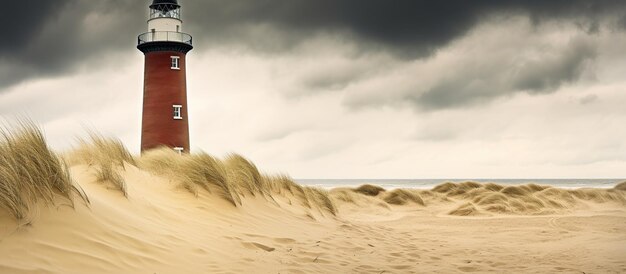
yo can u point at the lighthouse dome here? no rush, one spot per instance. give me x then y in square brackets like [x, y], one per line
[164, 4]
[175, 2]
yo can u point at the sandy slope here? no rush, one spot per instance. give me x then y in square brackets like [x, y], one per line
[163, 229]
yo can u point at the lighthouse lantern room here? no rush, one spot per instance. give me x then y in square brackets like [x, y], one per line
[165, 46]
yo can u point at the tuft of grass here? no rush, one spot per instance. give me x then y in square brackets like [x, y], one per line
[467, 209]
[515, 191]
[159, 160]
[445, 187]
[344, 196]
[321, 198]
[232, 178]
[106, 173]
[209, 173]
[621, 186]
[244, 174]
[369, 190]
[493, 187]
[100, 150]
[402, 197]
[192, 171]
[283, 185]
[491, 198]
[30, 172]
[470, 185]
[106, 154]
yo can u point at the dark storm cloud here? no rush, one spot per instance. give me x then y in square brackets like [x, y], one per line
[408, 30]
[466, 75]
[543, 75]
[411, 28]
[22, 20]
[49, 37]
[42, 38]
[536, 76]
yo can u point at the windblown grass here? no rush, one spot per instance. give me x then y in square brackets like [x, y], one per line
[197, 171]
[525, 199]
[232, 178]
[320, 198]
[285, 186]
[349, 196]
[30, 173]
[107, 155]
[98, 150]
[106, 173]
[402, 197]
[369, 190]
[472, 198]
[466, 209]
[245, 175]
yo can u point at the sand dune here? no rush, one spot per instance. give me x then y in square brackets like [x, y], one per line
[165, 213]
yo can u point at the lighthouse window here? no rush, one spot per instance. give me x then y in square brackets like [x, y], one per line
[178, 112]
[175, 62]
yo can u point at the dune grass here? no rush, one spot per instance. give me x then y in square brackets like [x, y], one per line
[107, 155]
[30, 173]
[285, 186]
[106, 173]
[369, 190]
[193, 172]
[244, 174]
[98, 150]
[320, 198]
[232, 178]
[466, 209]
[527, 199]
[402, 197]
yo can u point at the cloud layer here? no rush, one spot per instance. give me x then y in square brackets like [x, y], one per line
[345, 88]
[54, 36]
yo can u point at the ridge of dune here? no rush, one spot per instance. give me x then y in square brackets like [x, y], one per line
[166, 213]
[160, 227]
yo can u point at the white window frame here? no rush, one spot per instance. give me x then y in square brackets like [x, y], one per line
[180, 150]
[175, 62]
[177, 109]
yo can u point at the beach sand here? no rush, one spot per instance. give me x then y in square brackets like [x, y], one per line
[162, 228]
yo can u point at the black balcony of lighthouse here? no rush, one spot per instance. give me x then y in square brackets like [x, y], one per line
[165, 29]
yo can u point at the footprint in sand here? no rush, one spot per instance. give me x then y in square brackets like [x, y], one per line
[496, 264]
[232, 238]
[199, 251]
[468, 268]
[284, 240]
[414, 255]
[400, 267]
[254, 245]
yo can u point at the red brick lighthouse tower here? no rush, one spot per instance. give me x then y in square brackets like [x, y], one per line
[164, 119]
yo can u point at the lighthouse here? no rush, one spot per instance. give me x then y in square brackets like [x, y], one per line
[164, 118]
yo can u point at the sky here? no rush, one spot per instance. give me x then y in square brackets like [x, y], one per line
[343, 88]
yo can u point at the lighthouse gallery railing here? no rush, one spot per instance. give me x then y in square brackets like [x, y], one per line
[160, 36]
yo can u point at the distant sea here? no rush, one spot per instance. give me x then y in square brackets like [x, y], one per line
[430, 183]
